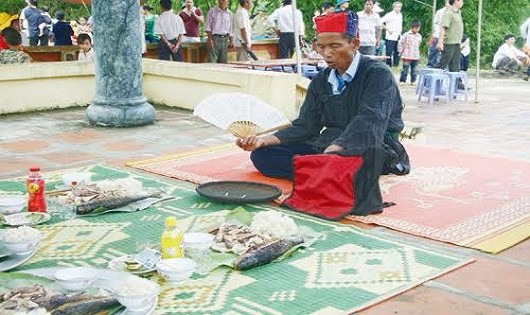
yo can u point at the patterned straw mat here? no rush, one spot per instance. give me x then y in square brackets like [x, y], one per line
[346, 270]
[466, 199]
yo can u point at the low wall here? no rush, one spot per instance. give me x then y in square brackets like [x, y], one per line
[43, 86]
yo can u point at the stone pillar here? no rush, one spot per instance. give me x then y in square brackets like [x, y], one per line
[119, 99]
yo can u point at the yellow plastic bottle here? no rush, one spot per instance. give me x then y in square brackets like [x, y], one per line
[171, 239]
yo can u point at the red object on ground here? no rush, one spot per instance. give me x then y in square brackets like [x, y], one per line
[35, 188]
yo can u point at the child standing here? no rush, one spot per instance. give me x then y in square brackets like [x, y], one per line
[85, 43]
[409, 48]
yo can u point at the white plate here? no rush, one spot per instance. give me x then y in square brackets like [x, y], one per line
[10, 204]
[23, 218]
[4, 252]
[13, 261]
[107, 279]
[118, 264]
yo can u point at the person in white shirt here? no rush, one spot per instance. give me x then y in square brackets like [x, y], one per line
[433, 54]
[369, 28]
[284, 25]
[393, 24]
[465, 50]
[170, 28]
[242, 30]
[508, 58]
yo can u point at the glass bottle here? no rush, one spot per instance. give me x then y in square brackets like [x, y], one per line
[171, 239]
[35, 188]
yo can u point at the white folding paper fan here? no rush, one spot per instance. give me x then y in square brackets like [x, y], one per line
[240, 114]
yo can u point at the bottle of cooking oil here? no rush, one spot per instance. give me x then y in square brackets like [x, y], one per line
[171, 239]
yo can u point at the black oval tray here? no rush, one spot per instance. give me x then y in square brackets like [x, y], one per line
[238, 191]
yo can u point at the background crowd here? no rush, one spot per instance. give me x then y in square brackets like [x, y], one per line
[228, 25]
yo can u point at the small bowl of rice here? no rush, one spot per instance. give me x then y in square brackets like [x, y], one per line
[21, 240]
[137, 295]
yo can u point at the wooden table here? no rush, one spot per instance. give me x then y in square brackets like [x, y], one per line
[268, 64]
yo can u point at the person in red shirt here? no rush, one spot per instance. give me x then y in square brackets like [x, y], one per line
[3, 44]
[192, 17]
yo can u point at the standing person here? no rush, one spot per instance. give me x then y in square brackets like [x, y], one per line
[260, 26]
[149, 20]
[451, 32]
[13, 54]
[219, 31]
[242, 30]
[352, 107]
[36, 17]
[525, 34]
[342, 5]
[170, 28]
[393, 24]
[433, 54]
[192, 18]
[369, 28]
[284, 25]
[23, 25]
[62, 31]
[465, 50]
[409, 47]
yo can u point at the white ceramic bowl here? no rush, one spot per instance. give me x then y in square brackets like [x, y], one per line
[21, 245]
[137, 295]
[75, 278]
[12, 204]
[70, 179]
[197, 241]
[176, 269]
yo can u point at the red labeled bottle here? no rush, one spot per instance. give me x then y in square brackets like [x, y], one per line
[35, 188]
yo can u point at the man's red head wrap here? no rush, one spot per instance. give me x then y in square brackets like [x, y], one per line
[345, 22]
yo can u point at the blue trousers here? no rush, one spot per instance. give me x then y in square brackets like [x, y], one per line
[405, 71]
[433, 55]
[277, 161]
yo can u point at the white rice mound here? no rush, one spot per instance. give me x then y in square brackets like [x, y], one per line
[274, 224]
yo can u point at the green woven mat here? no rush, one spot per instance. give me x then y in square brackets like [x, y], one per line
[349, 269]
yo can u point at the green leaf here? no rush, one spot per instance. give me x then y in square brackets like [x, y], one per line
[240, 215]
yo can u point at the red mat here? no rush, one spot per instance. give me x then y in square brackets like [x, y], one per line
[465, 199]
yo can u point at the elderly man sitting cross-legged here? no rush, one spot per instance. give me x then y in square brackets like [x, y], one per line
[346, 133]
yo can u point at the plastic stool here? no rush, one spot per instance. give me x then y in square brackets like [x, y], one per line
[421, 76]
[436, 85]
[454, 77]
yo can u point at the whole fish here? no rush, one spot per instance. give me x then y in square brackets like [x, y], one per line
[112, 202]
[85, 305]
[265, 254]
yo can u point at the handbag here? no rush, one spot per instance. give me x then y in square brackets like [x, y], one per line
[332, 186]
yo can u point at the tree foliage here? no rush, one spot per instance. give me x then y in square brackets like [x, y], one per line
[499, 17]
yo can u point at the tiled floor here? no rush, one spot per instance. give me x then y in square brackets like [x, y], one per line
[498, 125]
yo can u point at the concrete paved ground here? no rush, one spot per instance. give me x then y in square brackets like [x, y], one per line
[499, 125]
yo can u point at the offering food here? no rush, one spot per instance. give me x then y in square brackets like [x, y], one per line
[21, 234]
[39, 300]
[106, 194]
[270, 235]
[21, 240]
[137, 295]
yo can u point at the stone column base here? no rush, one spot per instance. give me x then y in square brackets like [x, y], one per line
[121, 114]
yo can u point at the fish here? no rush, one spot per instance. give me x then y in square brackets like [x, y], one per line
[108, 203]
[265, 254]
[24, 299]
[81, 304]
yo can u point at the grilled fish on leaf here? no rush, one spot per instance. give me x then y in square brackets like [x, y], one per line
[265, 254]
[112, 202]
